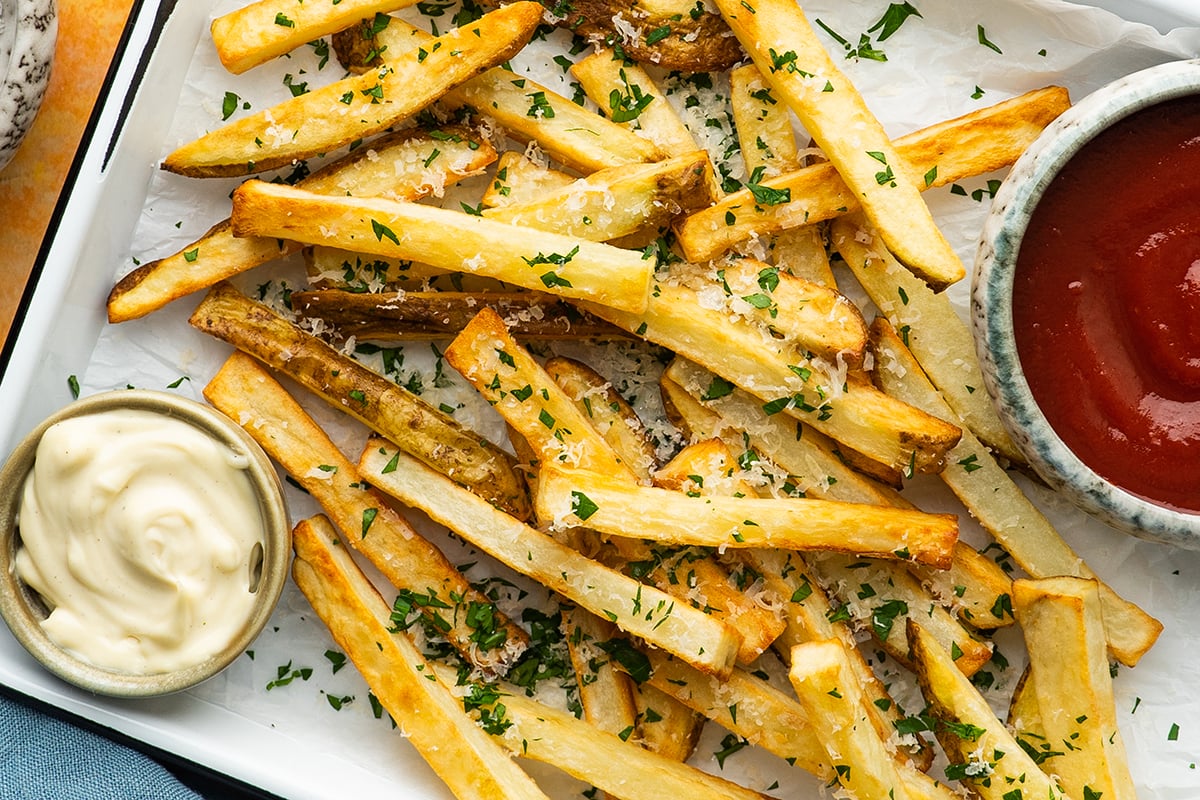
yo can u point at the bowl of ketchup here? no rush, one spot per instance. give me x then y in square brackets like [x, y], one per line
[1086, 304]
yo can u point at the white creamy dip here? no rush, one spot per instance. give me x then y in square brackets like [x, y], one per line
[143, 534]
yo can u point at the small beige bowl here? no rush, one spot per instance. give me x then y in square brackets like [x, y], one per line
[24, 610]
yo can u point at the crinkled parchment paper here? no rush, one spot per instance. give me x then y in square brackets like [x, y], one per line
[936, 68]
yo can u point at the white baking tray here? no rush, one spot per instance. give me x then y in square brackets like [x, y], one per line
[288, 741]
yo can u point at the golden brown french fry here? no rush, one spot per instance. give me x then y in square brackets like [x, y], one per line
[778, 37]
[763, 124]
[576, 497]
[605, 692]
[974, 586]
[526, 110]
[827, 686]
[703, 469]
[608, 413]
[245, 392]
[814, 318]
[618, 201]
[403, 166]
[973, 144]
[530, 401]
[667, 726]
[627, 95]
[935, 334]
[882, 599]
[640, 610]
[848, 410]
[1003, 509]
[256, 33]
[983, 754]
[359, 106]
[1063, 625]
[333, 268]
[408, 315]
[432, 720]
[448, 239]
[801, 252]
[365, 395]
[621, 769]
[520, 180]
[765, 716]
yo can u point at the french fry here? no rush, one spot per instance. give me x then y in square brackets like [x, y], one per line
[408, 315]
[529, 400]
[801, 252]
[882, 599]
[667, 726]
[627, 95]
[247, 393]
[1003, 509]
[403, 166]
[256, 33]
[359, 106]
[787, 52]
[608, 413]
[974, 586]
[812, 317]
[643, 611]
[519, 180]
[973, 144]
[552, 736]
[605, 692]
[620, 508]
[982, 752]
[863, 419]
[827, 686]
[528, 111]
[765, 716]
[1063, 625]
[763, 124]
[618, 201]
[473, 765]
[937, 337]
[447, 239]
[365, 395]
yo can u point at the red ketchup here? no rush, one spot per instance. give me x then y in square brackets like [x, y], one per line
[1106, 304]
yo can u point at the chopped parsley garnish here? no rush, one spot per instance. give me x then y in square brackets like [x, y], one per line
[582, 506]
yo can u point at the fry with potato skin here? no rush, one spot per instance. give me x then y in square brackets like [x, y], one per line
[537, 260]
[405, 316]
[363, 394]
[973, 144]
[248, 394]
[403, 166]
[359, 106]
[614, 506]
[703, 641]
[1003, 509]
[258, 32]
[1063, 625]
[467, 759]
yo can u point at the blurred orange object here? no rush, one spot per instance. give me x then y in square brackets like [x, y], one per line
[88, 32]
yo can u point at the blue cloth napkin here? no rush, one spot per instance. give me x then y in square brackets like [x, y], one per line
[44, 758]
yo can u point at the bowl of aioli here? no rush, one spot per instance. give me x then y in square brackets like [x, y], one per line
[1086, 304]
[144, 542]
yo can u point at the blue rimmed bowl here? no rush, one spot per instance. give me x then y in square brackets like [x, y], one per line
[992, 305]
[28, 33]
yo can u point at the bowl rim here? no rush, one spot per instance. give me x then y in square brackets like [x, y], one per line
[22, 610]
[991, 304]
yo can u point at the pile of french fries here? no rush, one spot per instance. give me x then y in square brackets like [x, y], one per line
[778, 524]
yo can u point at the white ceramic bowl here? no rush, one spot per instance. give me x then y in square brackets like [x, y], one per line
[991, 305]
[23, 610]
[28, 32]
